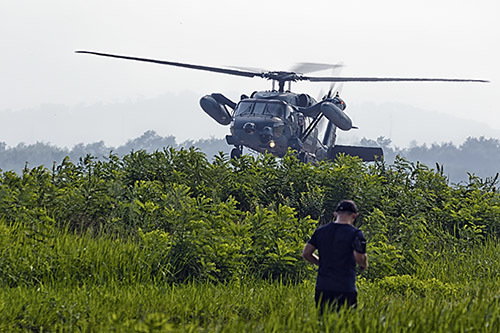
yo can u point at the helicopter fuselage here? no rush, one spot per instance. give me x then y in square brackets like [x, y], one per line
[268, 121]
[274, 121]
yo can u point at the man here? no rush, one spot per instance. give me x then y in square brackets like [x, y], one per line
[341, 246]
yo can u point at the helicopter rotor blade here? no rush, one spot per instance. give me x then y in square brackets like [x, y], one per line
[382, 79]
[335, 89]
[339, 89]
[309, 67]
[179, 64]
[250, 69]
[335, 72]
[280, 76]
[321, 95]
[329, 94]
[300, 67]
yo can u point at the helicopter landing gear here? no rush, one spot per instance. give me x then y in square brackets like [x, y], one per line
[305, 157]
[302, 157]
[236, 152]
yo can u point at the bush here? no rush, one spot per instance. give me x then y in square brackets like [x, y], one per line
[223, 219]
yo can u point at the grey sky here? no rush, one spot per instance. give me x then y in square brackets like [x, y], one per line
[455, 39]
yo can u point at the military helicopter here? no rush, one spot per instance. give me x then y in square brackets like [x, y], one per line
[276, 120]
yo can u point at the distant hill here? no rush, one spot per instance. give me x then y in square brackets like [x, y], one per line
[181, 116]
[114, 123]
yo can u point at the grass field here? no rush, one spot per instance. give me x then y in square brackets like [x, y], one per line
[169, 241]
[457, 292]
[242, 306]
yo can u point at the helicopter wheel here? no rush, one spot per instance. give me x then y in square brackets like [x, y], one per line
[235, 153]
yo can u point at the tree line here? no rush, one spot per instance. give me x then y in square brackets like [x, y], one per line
[18, 157]
[475, 157]
[479, 157]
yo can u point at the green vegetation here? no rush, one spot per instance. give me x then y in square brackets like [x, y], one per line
[40, 153]
[168, 241]
[478, 156]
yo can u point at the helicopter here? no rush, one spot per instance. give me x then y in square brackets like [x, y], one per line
[277, 120]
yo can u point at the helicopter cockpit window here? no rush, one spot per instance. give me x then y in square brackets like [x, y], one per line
[259, 108]
[244, 108]
[275, 110]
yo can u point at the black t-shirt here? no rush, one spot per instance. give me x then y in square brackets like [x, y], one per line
[337, 267]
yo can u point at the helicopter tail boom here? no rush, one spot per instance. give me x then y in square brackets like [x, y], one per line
[367, 154]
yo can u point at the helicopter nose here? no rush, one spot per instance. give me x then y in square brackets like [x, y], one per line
[266, 134]
[249, 127]
[267, 130]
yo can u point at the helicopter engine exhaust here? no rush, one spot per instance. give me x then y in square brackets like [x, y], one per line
[216, 109]
[304, 100]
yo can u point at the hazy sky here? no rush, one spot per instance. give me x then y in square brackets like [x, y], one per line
[454, 39]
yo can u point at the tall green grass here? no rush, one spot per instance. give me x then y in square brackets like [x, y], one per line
[77, 282]
[250, 306]
[58, 257]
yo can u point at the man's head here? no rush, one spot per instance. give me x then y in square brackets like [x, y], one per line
[347, 211]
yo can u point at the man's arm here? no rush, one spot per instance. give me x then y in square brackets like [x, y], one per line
[308, 254]
[361, 259]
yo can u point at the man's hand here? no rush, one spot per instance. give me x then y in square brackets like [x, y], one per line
[361, 259]
[308, 254]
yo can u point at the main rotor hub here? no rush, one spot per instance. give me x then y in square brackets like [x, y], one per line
[281, 77]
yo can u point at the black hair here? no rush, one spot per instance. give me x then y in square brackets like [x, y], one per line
[347, 206]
